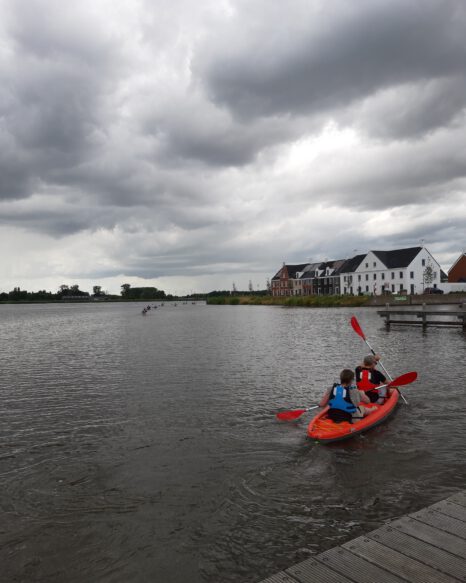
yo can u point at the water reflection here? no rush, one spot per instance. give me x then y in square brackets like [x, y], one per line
[147, 449]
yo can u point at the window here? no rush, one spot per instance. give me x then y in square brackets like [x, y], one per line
[435, 275]
[393, 287]
[401, 286]
[412, 288]
[374, 264]
[367, 288]
[367, 265]
[401, 275]
[344, 279]
[383, 276]
[411, 274]
[367, 277]
[359, 278]
[393, 275]
[423, 263]
[375, 276]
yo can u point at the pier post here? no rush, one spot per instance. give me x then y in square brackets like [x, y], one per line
[463, 307]
[424, 317]
[387, 316]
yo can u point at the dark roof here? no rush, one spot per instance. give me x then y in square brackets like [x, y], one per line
[352, 264]
[292, 269]
[398, 257]
[311, 269]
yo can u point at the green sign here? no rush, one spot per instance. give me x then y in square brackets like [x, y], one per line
[401, 298]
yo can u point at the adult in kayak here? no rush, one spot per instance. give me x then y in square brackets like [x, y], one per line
[368, 378]
[344, 400]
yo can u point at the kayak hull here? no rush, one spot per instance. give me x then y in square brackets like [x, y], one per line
[324, 430]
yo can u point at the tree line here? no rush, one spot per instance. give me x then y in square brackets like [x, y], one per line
[73, 293]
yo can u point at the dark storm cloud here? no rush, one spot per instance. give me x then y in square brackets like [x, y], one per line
[185, 141]
[334, 55]
[53, 83]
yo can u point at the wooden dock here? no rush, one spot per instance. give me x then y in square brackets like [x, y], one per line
[428, 546]
[425, 317]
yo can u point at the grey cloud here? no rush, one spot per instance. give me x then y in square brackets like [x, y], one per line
[410, 111]
[333, 57]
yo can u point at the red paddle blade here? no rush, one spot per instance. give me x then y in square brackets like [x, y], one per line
[357, 328]
[290, 415]
[404, 379]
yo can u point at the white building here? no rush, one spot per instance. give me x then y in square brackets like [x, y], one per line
[408, 271]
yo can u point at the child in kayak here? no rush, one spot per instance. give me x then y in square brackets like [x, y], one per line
[344, 400]
[368, 378]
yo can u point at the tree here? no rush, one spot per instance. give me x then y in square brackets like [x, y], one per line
[64, 289]
[125, 289]
[250, 286]
[268, 285]
[234, 290]
[97, 290]
[74, 289]
[428, 274]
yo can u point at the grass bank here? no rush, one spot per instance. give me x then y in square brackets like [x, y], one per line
[295, 301]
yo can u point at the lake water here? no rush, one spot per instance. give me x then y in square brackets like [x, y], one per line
[146, 448]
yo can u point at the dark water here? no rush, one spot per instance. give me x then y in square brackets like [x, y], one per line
[146, 449]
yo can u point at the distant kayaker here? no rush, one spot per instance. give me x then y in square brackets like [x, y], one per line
[344, 400]
[368, 378]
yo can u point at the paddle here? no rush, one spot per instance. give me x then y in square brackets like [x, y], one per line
[357, 328]
[404, 379]
[295, 414]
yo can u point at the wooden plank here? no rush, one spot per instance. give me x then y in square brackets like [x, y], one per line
[441, 521]
[450, 509]
[281, 577]
[429, 534]
[362, 571]
[458, 498]
[421, 551]
[395, 562]
[311, 571]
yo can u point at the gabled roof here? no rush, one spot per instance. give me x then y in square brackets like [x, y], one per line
[459, 258]
[313, 269]
[352, 264]
[292, 269]
[397, 257]
[310, 271]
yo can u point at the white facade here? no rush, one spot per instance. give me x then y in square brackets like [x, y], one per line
[372, 276]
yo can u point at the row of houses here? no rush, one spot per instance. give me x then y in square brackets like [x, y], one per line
[406, 271]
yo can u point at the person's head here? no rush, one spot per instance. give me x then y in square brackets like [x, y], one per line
[346, 376]
[369, 361]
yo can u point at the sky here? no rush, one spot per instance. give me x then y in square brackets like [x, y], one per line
[193, 145]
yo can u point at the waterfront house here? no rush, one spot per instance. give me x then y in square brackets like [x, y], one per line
[346, 273]
[327, 279]
[407, 271]
[286, 282]
[457, 272]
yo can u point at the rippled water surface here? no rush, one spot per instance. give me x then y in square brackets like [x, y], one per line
[146, 448]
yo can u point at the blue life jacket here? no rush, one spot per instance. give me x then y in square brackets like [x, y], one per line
[340, 399]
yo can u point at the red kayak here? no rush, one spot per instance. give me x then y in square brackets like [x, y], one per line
[324, 430]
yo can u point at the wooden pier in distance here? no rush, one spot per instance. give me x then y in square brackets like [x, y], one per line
[428, 546]
[425, 317]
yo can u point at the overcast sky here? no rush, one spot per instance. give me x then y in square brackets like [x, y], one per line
[190, 145]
